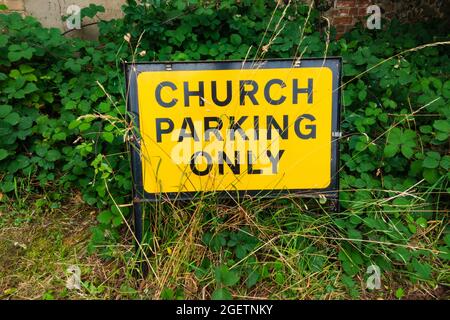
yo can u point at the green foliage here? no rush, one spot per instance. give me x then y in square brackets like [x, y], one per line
[62, 122]
[396, 118]
[238, 246]
[40, 133]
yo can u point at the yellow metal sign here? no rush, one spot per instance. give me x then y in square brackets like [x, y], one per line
[231, 127]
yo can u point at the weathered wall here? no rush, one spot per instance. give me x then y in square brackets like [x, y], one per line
[343, 14]
[50, 12]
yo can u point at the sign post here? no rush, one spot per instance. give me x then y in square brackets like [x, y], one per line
[236, 128]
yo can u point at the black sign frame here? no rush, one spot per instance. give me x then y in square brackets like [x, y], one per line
[132, 70]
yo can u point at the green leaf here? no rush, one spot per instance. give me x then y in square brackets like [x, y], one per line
[15, 74]
[252, 278]
[84, 126]
[431, 175]
[422, 222]
[445, 162]
[395, 136]
[41, 150]
[117, 221]
[53, 155]
[447, 240]
[13, 118]
[60, 136]
[105, 217]
[399, 293]
[108, 136]
[362, 95]
[412, 228]
[73, 124]
[432, 160]
[221, 294]
[3, 154]
[407, 151]
[347, 99]
[104, 107]
[14, 56]
[167, 294]
[354, 234]
[70, 105]
[24, 69]
[390, 150]
[235, 39]
[349, 267]
[226, 276]
[5, 110]
[442, 125]
[7, 186]
[280, 278]
[423, 270]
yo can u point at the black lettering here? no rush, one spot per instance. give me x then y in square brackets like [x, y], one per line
[213, 129]
[267, 96]
[311, 127]
[208, 161]
[256, 127]
[200, 93]
[235, 167]
[236, 126]
[272, 123]
[297, 90]
[244, 93]
[159, 130]
[214, 94]
[159, 87]
[250, 169]
[275, 160]
[187, 122]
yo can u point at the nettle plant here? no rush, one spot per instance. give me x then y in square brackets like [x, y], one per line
[62, 118]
